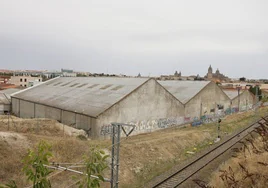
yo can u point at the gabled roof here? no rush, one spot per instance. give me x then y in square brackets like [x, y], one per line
[184, 90]
[231, 93]
[86, 95]
[4, 99]
[5, 95]
[10, 91]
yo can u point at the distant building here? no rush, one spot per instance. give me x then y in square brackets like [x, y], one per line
[62, 73]
[176, 74]
[4, 79]
[51, 74]
[5, 100]
[68, 73]
[217, 76]
[24, 80]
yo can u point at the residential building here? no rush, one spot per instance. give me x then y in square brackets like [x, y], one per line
[24, 80]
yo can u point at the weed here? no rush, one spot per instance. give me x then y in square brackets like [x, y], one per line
[249, 172]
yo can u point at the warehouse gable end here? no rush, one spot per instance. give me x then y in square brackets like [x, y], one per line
[149, 107]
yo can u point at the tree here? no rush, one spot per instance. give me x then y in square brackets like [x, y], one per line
[34, 165]
[95, 162]
[243, 79]
[253, 91]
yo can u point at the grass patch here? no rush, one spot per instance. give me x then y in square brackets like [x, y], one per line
[229, 125]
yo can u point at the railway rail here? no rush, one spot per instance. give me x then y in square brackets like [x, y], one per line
[178, 175]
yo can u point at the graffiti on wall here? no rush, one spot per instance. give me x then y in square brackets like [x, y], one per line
[144, 126]
[169, 122]
[196, 121]
[231, 110]
[106, 130]
[148, 125]
[211, 118]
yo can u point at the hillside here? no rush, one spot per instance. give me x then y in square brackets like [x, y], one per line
[142, 157]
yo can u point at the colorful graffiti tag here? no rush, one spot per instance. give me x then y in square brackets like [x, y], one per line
[163, 123]
[149, 125]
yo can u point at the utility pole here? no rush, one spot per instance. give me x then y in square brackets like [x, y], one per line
[257, 100]
[238, 88]
[219, 128]
[116, 131]
[8, 121]
[201, 110]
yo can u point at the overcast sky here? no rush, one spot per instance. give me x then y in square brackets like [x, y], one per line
[152, 37]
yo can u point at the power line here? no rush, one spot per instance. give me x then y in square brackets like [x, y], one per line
[71, 170]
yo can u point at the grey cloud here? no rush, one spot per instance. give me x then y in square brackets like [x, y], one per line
[150, 37]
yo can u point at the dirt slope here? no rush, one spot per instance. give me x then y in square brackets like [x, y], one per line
[142, 157]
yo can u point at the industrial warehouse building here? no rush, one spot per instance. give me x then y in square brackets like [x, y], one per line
[5, 100]
[199, 97]
[92, 103]
[242, 101]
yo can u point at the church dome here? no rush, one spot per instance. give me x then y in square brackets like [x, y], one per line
[210, 69]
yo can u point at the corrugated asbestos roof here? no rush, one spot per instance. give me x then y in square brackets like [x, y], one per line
[232, 93]
[5, 95]
[86, 95]
[184, 90]
[10, 91]
[4, 99]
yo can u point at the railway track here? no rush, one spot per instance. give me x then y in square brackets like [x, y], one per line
[178, 175]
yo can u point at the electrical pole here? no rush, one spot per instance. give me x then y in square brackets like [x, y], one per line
[201, 110]
[8, 121]
[219, 128]
[116, 131]
[257, 100]
[115, 155]
[238, 99]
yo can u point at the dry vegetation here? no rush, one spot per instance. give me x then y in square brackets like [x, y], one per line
[248, 168]
[142, 157]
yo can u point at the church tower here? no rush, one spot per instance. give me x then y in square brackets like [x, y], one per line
[217, 72]
[210, 73]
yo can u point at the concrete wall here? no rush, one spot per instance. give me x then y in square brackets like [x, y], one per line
[206, 101]
[4, 108]
[42, 111]
[26, 109]
[150, 107]
[15, 106]
[69, 118]
[246, 101]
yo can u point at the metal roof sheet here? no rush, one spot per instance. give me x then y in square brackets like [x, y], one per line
[10, 91]
[184, 90]
[86, 95]
[4, 99]
[5, 95]
[232, 93]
